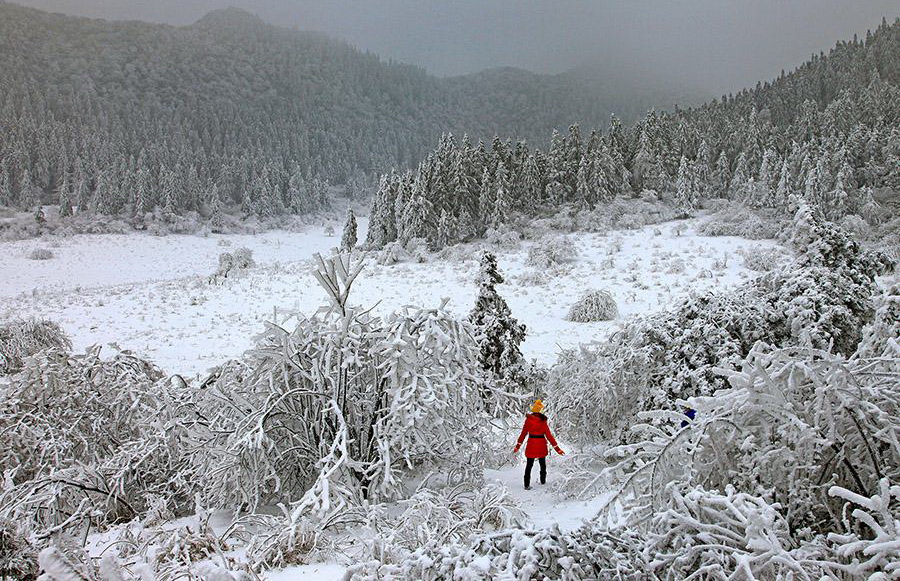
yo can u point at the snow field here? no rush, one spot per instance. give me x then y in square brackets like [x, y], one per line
[152, 295]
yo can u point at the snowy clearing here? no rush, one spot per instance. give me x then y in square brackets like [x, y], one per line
[151, 295]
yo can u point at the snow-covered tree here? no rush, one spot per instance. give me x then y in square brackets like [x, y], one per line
[348, 237]
[497, 332]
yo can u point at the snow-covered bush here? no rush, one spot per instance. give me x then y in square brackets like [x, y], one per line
[883, 333]
[551, 252]
[595, 305]
[498, 334]
[737, 220]
[590, 552]
[40, 254]
[234, 263]
[795, 424]
[504, 239]
[532, 277]
[22, 338]
[343, 408]
[97, 441]
[18, 557]
[392, 253]
[417, 248]
[761, 259]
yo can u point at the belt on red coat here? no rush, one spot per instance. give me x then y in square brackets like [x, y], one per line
[536, 435]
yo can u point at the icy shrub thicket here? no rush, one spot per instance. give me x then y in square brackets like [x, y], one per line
[97, 441]
[551, 252]
[761, 259]
[799, 438]
[737, 220]
[343, 408]
[821, 300]
[595, 305]
[232, 263]
[18, 558]
[22, 338]
[40, 254]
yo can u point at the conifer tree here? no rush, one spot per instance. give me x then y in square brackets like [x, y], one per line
[721, 176]
[784, 191]
[737, 188]
[382, 224]
[502, 201]
[685, 194]
[348, 238]
[65, 200]
[486, 197]
[6, 194]
[498, 334]
[703, 170]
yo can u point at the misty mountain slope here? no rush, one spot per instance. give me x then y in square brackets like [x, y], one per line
[156, 116]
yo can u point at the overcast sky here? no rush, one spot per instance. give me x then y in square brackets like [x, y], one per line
[713, 45]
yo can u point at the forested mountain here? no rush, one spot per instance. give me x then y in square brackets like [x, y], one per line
[828, 132]
[117, 117]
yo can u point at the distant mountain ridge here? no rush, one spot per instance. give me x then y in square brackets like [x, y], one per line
[244, 106]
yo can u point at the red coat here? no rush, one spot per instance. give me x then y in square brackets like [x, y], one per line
[536, 425]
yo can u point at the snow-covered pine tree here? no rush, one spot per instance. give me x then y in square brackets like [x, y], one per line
[29, 194]
[214, 204]
[497, 333]
[502, 199]
[532, 190]
[585, 180]
[382, 224]
[784, 191]
[764, 195]
[348, 238]
[447, 229]
[686, 193]
[64, 197]
[486, 197]
[703, 170]
[737, 187]
[721, 176]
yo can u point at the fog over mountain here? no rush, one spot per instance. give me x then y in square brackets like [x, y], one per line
[712, 46]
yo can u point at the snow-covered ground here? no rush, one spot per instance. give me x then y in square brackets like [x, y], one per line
[151, 295]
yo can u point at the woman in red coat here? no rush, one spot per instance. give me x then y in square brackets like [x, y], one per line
[538, 432]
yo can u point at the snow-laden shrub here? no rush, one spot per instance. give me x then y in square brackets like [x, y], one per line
[855, 225]
[551, 252]
[595, 305]
[22, 338]
[532, 277]
[344, 408]
[737, 220]
[40, 254]
[727, 535]
[872, 541]
[503, 239]
[440, 517]
[67, 563]
[280, 541]
[417, 248]
[795, 423]
[234, 263]
[97, 441]
[761, 259]
[18, 557]
[392, 253]
[882, 335]
[517, 554]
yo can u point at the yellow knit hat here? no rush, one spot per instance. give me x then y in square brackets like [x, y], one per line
[537, 407]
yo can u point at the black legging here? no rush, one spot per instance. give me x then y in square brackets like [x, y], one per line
[528, 464]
